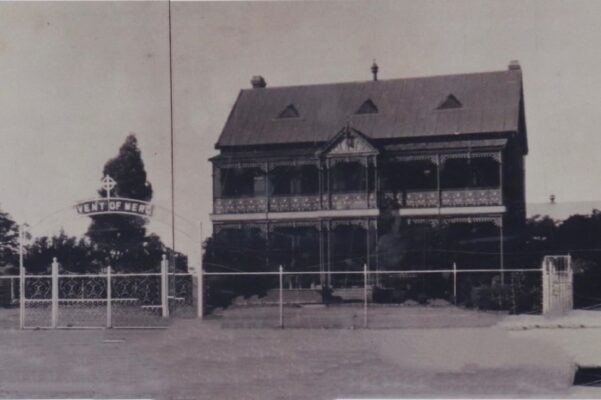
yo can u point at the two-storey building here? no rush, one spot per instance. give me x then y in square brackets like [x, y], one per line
[398, 174]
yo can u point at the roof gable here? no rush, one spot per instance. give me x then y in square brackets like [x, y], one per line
[406, 109]
[348, 142]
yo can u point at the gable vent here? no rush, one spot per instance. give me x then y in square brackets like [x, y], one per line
[289, 112]
[450, 102]
[368, 107]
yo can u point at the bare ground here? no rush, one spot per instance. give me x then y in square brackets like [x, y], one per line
[202, 360]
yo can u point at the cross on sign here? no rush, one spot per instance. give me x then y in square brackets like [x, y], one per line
[108, 184]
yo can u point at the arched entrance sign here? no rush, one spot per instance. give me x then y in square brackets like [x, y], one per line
[113, 205]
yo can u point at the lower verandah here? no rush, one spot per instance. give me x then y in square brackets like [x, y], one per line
[384, 244]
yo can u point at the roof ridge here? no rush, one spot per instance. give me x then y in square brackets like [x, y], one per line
[380, 81]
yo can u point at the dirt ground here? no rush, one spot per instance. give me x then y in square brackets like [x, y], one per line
[195, 359]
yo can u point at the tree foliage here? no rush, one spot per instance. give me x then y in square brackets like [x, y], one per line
[122, 239]
[9, 240]
[76, 255]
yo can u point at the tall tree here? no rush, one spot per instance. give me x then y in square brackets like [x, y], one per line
[120, 237]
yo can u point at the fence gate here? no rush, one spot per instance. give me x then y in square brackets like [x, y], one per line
[558, 296]
[105, 300]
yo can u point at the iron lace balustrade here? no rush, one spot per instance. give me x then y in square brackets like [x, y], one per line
[240, 205]
[468, 197]
[353, 201]
[294, 203]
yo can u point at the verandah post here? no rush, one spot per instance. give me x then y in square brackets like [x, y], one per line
[165, 287]
[54, 311]
[365, 295]
[200, 282]
[455, 283]
[21, 281]
[109, 301]
[281, 302]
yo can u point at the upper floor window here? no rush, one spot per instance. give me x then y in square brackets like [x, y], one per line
[289, 112]
[368, 107]
[450, 102]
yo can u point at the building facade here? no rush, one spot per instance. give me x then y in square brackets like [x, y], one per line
[396, 174]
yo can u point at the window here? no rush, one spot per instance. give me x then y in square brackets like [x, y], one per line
[368, 107]
[450, 102]
[289, 112]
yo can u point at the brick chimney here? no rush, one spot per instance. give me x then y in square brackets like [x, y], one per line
[514, 65]
[258, 82]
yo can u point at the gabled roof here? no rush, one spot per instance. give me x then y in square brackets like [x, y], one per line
[348, 141]
[490, 102]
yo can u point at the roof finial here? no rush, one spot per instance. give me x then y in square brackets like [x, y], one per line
[374, 70]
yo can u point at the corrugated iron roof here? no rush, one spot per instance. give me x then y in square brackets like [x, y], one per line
[406, 108]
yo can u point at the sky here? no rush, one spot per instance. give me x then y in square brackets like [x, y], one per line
[76, 78]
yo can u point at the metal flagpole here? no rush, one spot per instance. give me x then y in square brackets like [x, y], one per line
[172, 268]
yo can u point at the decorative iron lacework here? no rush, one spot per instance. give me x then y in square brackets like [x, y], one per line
[349, 201]
[38, 288]
[294, 224]
[435, 221]
[495, 155]
[416, 157]
[241, 164]
[471, 197]
[294, 203]
[293, 162]
[240, 205]
[363, 223]
[82, 287]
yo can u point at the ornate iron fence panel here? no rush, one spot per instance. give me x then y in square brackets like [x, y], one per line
[182, 303]
[36, 307]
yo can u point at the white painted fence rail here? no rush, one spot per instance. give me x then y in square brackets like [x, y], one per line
[103, 300]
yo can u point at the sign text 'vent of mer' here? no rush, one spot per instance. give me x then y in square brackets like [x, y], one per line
[114, 206]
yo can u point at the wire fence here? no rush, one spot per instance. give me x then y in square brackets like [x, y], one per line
[513, 290]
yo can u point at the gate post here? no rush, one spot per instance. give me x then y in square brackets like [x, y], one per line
[21, 281]
[54, 311]
[200, 292]
[365, 295]
[109, 301]
[281, 302]
[165, 286]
